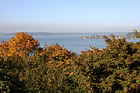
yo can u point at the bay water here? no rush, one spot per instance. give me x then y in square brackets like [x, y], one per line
[70, 41]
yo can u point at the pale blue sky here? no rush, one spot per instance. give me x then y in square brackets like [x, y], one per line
[69, 15]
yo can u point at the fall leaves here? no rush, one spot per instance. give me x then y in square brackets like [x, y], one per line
[52, 69]
[20, 45]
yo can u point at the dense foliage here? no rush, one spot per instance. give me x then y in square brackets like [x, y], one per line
[26, 67]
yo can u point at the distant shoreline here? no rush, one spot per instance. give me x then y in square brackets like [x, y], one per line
[130, 35]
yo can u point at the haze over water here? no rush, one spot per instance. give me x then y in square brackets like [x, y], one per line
[78, 16]
[69, 16]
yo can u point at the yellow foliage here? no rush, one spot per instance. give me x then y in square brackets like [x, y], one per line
[20, 45]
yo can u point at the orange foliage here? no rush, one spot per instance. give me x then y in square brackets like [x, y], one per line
[20, 45]
[59, 56]
[55, 69]
[57, 52]
[4, 49]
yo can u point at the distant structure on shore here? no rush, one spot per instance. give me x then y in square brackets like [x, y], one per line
[130, 35]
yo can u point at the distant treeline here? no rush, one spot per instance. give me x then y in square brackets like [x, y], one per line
[25, 67]
[130, 35]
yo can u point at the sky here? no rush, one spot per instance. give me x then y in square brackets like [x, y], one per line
[69, 15]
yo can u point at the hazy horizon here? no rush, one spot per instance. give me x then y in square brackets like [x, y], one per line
[69, 16]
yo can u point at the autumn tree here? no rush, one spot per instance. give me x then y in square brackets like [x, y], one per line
[30, 68]
[15, 54]
[113, 69]
[22, 45]
[53, 70]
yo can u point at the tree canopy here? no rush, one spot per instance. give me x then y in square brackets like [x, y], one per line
[26, 67]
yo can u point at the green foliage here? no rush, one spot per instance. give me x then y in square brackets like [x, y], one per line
[26, 67]
[115, 68]
[9, 83]
[53, 70]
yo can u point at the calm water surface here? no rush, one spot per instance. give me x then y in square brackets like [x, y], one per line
[69, 40]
